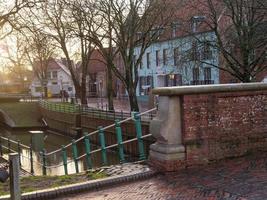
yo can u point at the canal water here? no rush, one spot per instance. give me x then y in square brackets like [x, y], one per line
[53, 141]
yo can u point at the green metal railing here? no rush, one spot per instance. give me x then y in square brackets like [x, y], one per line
[103, 148]
[93, 112]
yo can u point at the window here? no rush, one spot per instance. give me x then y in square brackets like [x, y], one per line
[54, 74]
[207, 53]
[155, 33]
[142, 82]
[139, 36]
[157, 58]
[48, 75]
[176, 56]
[195, 74]
[148, 60]
[207, 73]
[134, 59]
[196, 21]
[175, 26]
[38, 89]
[165, 58]
[54, 83]
[150, 81]
[141, 64]
[194, 51]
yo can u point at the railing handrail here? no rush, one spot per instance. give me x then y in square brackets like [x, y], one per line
[104, 128]
[15, 142]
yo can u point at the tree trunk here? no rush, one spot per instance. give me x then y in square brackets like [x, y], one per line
[45, 91]
[83, 91]
[110, 89]
[133, 99]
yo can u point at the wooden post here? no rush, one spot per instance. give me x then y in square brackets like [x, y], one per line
[14, 176]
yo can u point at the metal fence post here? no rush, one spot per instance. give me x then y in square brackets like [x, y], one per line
[31, 159]
[64, 158]
[75, 155]
[44, 161]
[87, 151]
[19, 149]
[14, 176]
[1, 149]
[119, 140]
[138, 129]
[8, 145]
[103, 145]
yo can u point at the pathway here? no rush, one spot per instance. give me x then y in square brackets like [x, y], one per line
[238, 179]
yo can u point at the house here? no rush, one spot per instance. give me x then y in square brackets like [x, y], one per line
[58, 78]
[181, 55]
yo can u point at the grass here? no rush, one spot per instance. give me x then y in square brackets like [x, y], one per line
[24, 114]
[33, 183]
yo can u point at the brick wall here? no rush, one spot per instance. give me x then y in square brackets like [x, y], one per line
[222, 125]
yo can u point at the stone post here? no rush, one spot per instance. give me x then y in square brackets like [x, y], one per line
[168, 153]
[14, 176]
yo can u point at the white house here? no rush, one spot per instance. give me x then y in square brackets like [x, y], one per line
[178, 61]
[58, 78]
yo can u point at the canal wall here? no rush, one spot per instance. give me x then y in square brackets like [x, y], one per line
[64, 123]
[21, 115]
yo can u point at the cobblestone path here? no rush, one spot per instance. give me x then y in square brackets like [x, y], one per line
[237, 179]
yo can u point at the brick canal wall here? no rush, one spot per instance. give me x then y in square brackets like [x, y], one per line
[223, 125]
[61, 122]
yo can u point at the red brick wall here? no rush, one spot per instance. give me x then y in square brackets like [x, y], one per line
[224, 125]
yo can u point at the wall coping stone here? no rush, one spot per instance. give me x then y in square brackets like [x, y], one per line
[207, 89]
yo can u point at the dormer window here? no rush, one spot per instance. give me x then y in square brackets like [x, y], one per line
[175, 26]
[139, 36]
[196, 21]
[156, 32]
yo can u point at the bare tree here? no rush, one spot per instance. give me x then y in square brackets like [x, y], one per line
[126, 19]
[16, 67]
[57, 21]
[9, 11]
[82, 27]
[240, 27]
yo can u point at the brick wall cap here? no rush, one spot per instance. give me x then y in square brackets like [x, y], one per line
[206, 89]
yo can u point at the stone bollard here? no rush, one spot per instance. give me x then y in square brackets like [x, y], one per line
[14, 169]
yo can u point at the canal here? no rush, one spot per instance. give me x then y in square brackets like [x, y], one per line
[51, 142]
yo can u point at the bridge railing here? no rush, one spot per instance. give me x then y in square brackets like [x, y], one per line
[12, 146]
[102, 148]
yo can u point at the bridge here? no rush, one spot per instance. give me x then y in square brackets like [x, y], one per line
[194, 125]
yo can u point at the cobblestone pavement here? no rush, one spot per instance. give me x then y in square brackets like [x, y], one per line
[237, 179]
[125, 169]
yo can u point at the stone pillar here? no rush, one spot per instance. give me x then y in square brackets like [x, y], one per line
[14, 176]
[168, 153]
[37, 140]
